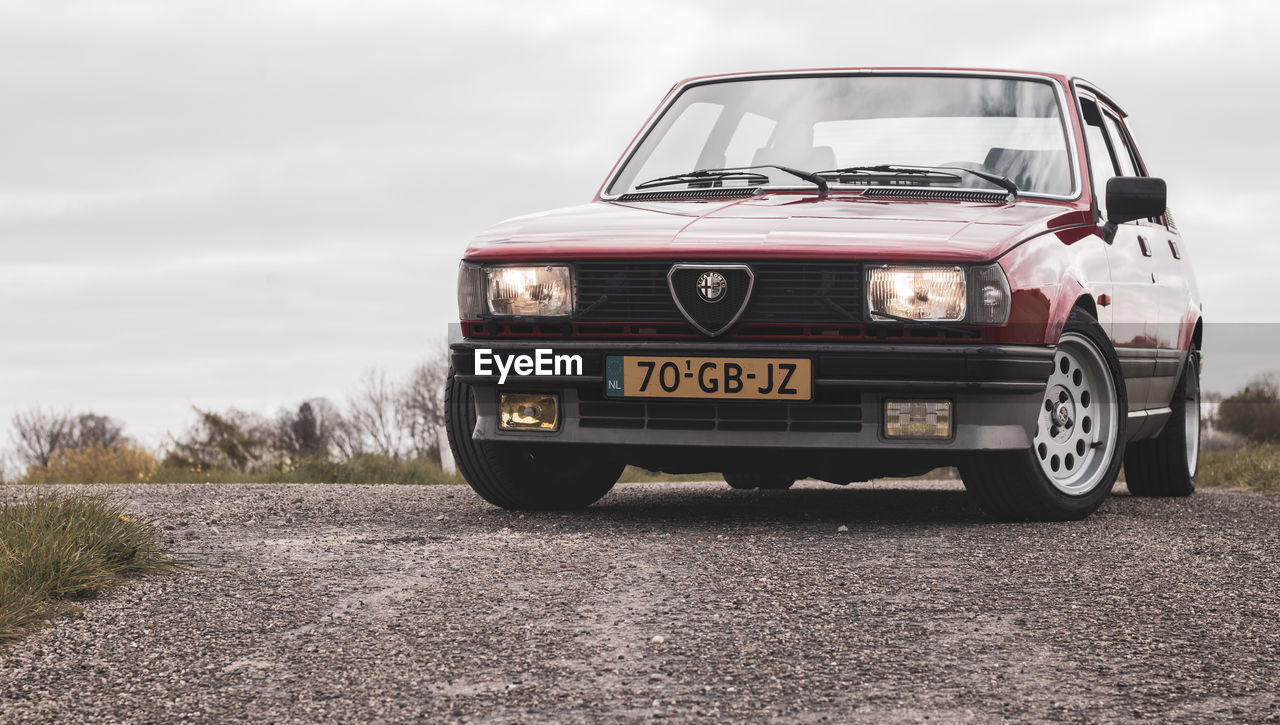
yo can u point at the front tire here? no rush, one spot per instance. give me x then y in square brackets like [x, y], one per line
[1167, 464]
[521, 476]
[1079, 443]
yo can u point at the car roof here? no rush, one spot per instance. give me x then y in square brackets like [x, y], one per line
[877, 69]
[923, 70]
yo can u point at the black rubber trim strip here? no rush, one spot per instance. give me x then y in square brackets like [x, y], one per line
[866, 363]
[559, 382]
[1137, 353]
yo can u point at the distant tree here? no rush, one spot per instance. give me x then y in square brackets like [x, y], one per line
[421, 407]
[38, 433]
[375, 417]
[348, 443]
[306, 432]
[91, 430]
[1253, 412]
[233, 440]
[40, 437]
[311, 431]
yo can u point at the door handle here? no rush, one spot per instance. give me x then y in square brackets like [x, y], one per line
[1142, 242]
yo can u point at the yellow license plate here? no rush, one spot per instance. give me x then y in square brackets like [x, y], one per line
[728, 378]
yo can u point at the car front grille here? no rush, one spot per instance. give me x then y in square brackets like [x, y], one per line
[810, 292]
[842, 414]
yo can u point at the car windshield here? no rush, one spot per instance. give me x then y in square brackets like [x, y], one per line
[1004, 126]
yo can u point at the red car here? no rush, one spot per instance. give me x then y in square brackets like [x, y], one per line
[843, 274]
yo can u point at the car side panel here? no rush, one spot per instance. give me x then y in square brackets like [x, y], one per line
[1136, 308]
[1181, 308]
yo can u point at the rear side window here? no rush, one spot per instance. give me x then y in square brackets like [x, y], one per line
[1123, 144]
[1125, 154]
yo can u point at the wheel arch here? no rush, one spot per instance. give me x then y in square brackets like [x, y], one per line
[1074, 295]
[1086, 303]
[1052, 277]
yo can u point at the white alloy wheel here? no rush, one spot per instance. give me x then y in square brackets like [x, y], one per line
[1076, 434]
[1191, 415]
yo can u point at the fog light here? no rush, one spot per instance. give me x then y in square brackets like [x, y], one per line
[917, 419]
[525, 411]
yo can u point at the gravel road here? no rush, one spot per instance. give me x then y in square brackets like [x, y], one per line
[878, 603]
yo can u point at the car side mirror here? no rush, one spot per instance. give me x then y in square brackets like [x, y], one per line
[1135, 197]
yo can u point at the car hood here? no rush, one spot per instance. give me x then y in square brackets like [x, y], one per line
[776, 225]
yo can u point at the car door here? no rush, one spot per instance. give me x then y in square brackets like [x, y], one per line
[1171, 275]
[1134, 298]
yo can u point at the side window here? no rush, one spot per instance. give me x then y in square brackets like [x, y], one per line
[1130, 164]
[1102, 162]
[1120, 142]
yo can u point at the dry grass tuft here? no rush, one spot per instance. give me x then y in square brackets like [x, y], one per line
[1254, 467]
[56, 549]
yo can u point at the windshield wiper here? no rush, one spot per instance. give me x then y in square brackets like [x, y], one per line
[889, 171]
[1000, 181]
[737, 172]
[710, 176]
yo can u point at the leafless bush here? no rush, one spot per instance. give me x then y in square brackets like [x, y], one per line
[399, 420]
[421, 403]
[38, 433]
[348, 444]
[375, 417]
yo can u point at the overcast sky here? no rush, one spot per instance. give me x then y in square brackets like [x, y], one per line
[248, 204]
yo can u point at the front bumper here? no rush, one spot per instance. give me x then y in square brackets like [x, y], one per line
[995, 390]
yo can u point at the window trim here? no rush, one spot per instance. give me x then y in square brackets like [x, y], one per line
[1125, 140]
[1107, 107]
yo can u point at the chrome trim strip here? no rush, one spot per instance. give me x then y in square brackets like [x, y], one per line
[1077, 187]
[751, 285]
[1077, 83]
[1010, 386]
[1151, 412]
